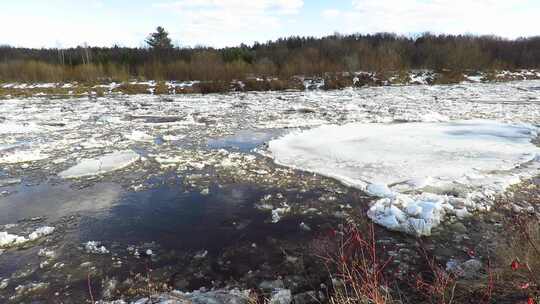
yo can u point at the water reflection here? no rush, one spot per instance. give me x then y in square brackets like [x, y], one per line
[245, 140]
[176, 219]
[56, 201]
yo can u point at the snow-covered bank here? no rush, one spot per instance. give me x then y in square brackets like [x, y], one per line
[421, 171]
[106, 163]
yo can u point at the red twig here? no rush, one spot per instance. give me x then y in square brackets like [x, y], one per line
[90, 289]
[491, 283]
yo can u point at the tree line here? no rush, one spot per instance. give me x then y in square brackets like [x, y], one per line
[284, 58]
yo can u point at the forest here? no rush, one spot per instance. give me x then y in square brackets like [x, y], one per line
[283, 58]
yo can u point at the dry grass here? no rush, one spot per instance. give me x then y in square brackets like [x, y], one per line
[133, 88]
[449, 77]
[336, 82]
[519, 258]
[356, 267]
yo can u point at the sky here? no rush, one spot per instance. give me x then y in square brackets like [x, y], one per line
[219, 23]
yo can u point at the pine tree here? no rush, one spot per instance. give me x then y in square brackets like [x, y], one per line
[160, 39]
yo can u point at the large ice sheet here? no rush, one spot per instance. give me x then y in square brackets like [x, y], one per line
[421, 171]
[106, 163]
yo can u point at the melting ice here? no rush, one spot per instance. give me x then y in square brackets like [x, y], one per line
[420, 171]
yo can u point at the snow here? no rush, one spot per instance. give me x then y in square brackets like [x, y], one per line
[412, 167]
[106, 163]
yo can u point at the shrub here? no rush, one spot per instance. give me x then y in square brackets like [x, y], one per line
[449, 77]
[520, 256]
[355, 265]
[209, 87]
[132, 88]
[336, 82]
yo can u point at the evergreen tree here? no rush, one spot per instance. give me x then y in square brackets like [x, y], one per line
[160, 39]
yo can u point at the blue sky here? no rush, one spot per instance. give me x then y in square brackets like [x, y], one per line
[51, 23]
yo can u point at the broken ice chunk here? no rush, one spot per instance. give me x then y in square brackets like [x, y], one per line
[106, 163]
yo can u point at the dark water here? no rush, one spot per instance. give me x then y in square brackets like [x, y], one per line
[166, 214]
[168, 218]
[180, 220]
[245, 140]
[56, 201]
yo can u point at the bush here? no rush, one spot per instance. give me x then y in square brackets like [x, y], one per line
[132, 88]
[210, 87]
[449, 77]
[337, 82]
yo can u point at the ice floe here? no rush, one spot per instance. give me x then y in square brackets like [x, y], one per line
[10, 240]
[95, 247]
[22, 156]
[233, 296]
[106, 163]
[139, 136]
[420, 171]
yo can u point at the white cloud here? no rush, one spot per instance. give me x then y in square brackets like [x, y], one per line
[506, 18]
[229, 22]
[97, 4]
[331, 13]
[255, 6]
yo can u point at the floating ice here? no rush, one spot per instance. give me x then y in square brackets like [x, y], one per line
[139, 136]
[421, 171]
[106, 163]
[233, 296]
[17, 128]
[95, 247]
[279, 212]
[9, 240]
[22, 290]
[40, 232]
[23, 156]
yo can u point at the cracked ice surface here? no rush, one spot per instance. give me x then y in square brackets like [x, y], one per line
[414, 167]
[81, 137]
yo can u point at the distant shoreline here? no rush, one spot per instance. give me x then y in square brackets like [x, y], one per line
[331, 81]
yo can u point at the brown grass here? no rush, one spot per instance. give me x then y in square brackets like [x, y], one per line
[519, 257]
[133, 88]
[356, 267]
[449, 77]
